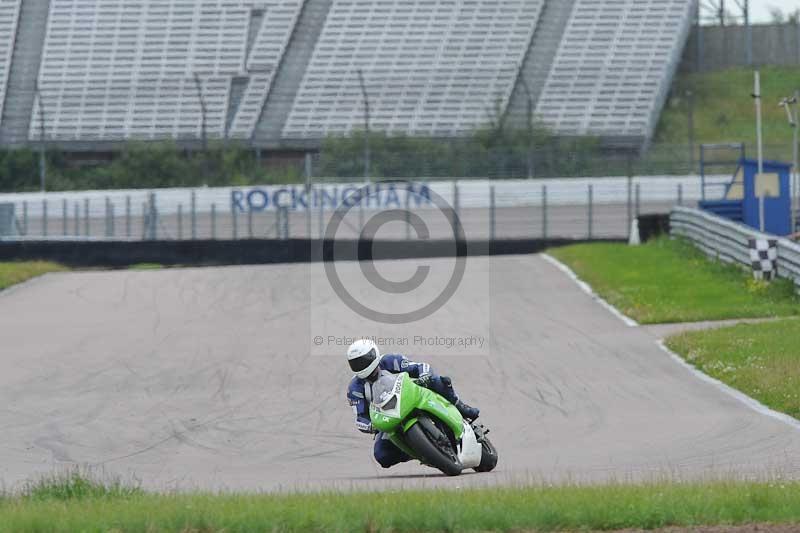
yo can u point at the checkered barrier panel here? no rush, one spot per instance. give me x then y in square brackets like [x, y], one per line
[763, 257]
[736, 243]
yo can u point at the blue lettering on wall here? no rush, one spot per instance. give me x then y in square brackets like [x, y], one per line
[237, 197]
[391, 197]
[278, 199]
[257, 200]
[377, 195]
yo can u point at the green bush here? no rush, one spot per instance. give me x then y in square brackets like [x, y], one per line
[142, 165]
[488, 152]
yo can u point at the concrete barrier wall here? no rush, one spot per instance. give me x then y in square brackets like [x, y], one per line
[257, 251]
[471, 193]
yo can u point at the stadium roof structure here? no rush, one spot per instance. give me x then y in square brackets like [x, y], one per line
[283, 74]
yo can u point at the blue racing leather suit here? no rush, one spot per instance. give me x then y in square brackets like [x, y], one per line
[386, 453]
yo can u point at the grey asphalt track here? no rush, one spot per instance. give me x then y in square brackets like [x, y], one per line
[210, 378]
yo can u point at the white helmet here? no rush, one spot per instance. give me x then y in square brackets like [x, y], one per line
[364, 357]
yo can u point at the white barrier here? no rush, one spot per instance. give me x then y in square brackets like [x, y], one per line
[471, 193]
[728, 240]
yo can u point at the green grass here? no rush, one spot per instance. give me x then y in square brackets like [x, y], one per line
[761, 360]
[724, 110]
[146, 266]
[18, 271]
[671, 281]
[607, 507]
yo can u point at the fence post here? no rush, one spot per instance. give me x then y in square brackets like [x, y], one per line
[407, 216]
[638, 198]
[491, 213]
[321, 219]
[544, 212]
[108, 217]
[284, 223]
[591, 202]
[77, 218]
[361, 215]
[630, 201]
[64, 217]
[127, 216]
[680, 194]
[144, 220]
[180, 222]
[456, 208]
[193, 203]
[309, 173]
[44, 218]
[213, 221]
[25, 217]
[113, 221]
[86, 216]
[234, 222]
[308, 205]
[153, 217]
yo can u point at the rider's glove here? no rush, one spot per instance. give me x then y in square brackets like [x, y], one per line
[365, 427]
[424, 380]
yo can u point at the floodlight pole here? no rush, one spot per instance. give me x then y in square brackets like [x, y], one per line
[42, 141]
[690, 125]
[796, 155]
[748, 29]
[203, 111]
[794, 116]
[365, 95]
[525, 86]
[757, 97]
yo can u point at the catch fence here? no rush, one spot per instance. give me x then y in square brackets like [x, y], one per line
[583, 208]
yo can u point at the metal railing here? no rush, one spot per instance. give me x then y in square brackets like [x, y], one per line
[729, 241]
[789, 260]
[583, 208]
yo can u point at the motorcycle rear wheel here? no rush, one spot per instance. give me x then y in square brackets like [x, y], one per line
[426, 440]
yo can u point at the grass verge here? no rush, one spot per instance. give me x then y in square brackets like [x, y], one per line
[146, 266]
[668, 280]
[761, 360]
[541, 509]
[724, 111]
[18, 271]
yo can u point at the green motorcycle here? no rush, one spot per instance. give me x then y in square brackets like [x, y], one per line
[429, 428]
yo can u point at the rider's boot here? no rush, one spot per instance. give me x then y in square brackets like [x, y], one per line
[470, 413]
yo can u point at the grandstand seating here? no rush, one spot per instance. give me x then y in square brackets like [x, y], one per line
[433, 67]
[285, 72]
[614, 65]
[121, 69]
[270, 44]
[9, 18]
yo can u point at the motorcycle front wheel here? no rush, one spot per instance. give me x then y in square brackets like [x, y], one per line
[433, 447]
[488, 456]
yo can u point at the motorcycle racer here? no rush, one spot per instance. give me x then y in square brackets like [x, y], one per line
[368, 364]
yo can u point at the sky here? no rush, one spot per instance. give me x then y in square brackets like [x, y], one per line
[759, 9]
